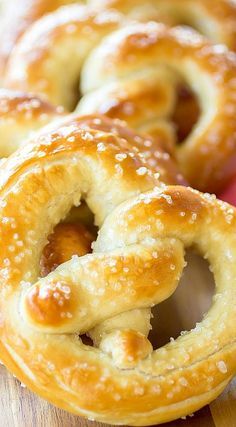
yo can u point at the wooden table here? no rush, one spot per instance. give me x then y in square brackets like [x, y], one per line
[21, 408]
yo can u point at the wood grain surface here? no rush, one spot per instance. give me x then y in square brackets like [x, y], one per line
[21, 408]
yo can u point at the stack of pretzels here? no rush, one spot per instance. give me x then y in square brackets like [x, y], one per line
[117, 122]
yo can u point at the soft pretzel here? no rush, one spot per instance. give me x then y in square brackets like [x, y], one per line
[131, 54]
[21, 115]
[136, 263]
[217, 20]
[132, 68]
[67, 29]
[53, 39]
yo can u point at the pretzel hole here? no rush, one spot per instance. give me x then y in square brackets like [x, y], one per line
[73, 236]
[186, 112]
[187, 305]
[86, 340]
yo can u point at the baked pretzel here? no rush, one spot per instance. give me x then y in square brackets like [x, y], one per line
[21, 115]
[68, 28]
[132, 68]
[217, 20]
[136, 263]
[135, 52]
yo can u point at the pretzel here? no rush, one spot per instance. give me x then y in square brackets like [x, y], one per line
[137, 51]
[67, 28]
[136, 263]
[21, 115]
[134, 75]
[216, 20]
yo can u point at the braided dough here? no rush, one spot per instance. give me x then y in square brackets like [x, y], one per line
[136, 263]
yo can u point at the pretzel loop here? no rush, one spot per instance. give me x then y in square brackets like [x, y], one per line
[137, 260]
[137, 51]
[146, 64]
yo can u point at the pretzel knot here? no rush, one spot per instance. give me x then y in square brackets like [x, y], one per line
[136, 262]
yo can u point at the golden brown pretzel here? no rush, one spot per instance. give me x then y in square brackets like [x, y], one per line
[136, 52]
[21, 115]
[67, 29]
[136, 263]
[217, 20]
[132, 68]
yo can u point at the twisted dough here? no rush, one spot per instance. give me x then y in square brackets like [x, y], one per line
[217, 20]
[132, 68]
[137, 261]
[135, 52]
[21, 115]
[53, 40]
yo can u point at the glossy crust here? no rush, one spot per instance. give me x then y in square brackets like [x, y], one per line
[141, 243]
[139, 51]
[21, 114]
[16, 18]
[134, 74]
[41, 58]
[215, 19]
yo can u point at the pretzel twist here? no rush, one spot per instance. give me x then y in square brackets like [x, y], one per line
[136, 263]
[131, 69]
